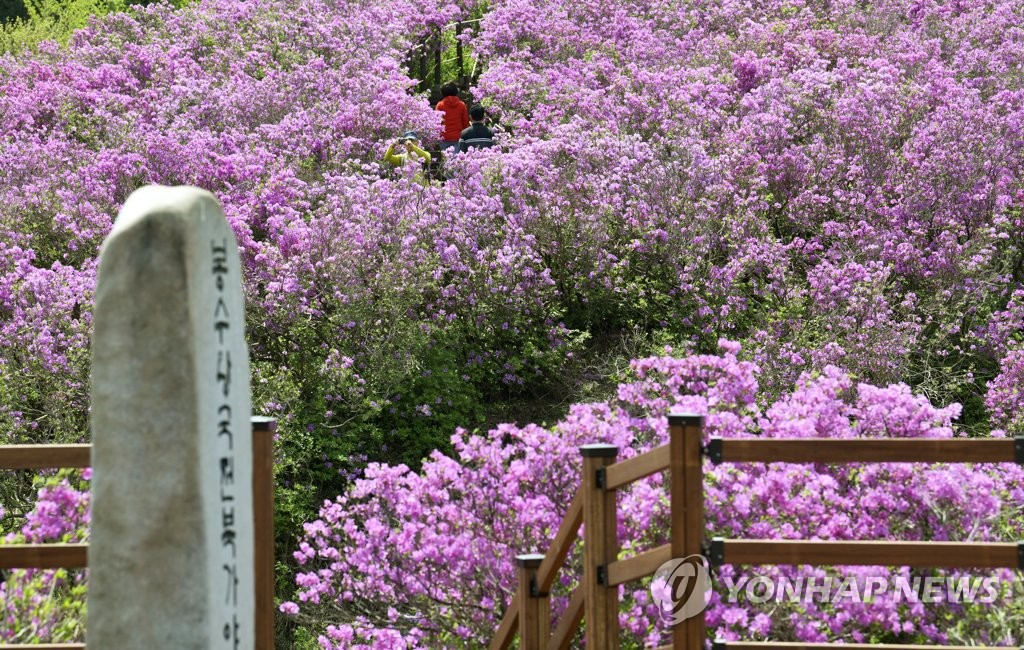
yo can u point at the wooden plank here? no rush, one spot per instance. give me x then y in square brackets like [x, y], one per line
[600, 548]
[44, 456]
[43, 556]
[506, 630]
[868, 450]
[562, 543]
[785, 645]
[564, 632]
[627, 471]
[687, 501]
[263, 430]
[437, 59]
[872, 553]
[460, 62]
[638, 566]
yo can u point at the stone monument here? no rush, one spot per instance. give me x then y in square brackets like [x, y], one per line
[171, 546]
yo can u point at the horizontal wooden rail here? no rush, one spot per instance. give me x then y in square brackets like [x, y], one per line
[44, 456]
[959, 555]
[864, 450]
[561, 637]
[786, 645]
[625, 472]
[43, 556]
[638, 566]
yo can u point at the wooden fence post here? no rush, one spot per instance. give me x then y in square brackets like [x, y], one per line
[263, 429]
[600, 548]
[424, 82]
[534, 608]
[458, 55]
[687, 505]
[437, 59]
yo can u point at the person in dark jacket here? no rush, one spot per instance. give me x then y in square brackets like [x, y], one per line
[477, 135]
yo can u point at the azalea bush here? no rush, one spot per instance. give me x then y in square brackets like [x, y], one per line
[847, 174]
[425, 559]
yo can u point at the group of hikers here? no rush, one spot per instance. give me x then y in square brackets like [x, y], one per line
[464, 129]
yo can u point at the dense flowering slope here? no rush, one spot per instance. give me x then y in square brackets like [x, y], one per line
[837, 181]
[832, 183]
[835, 184]
[256, 101]
[242, 98]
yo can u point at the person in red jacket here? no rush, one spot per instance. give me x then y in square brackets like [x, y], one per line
[456, 117]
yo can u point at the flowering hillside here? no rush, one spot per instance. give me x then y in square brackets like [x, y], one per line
[833, 185]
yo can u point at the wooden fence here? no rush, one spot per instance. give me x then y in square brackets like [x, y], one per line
[593, 506]
[73, 556]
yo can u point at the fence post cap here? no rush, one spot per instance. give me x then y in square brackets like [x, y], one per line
[263, 423]
[529, 561]
[599, 451]
[685, 418]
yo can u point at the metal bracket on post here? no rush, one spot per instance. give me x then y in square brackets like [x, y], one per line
[1020, 556]
[705, 551]
[602, 575]
[1018, 449]
[713, 450]
[716, 552]
[535, 591]
[599, 451]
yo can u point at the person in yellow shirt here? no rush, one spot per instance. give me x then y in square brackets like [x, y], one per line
[407, 150]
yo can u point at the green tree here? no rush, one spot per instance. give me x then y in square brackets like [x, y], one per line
[25, 23]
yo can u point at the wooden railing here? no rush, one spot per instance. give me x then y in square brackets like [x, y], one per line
[593, 506]
[74, 556]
